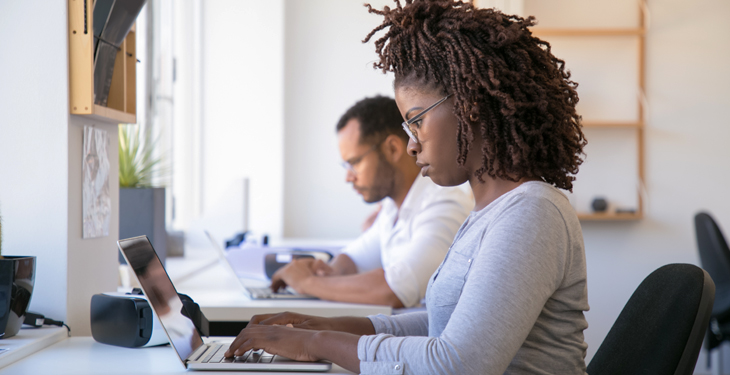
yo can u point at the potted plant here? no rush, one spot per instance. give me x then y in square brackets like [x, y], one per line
[17, 277]
[141, 206]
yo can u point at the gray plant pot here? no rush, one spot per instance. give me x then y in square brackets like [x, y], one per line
[142, 213]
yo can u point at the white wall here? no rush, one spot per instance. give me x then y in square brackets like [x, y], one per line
[327, 69]
[33, 147]
[40, 166]
[243, 102]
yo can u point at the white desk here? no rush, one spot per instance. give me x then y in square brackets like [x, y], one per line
[222, 298]
[84, 356]
[29, 341]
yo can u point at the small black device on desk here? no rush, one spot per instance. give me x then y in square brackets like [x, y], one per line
[126, 319]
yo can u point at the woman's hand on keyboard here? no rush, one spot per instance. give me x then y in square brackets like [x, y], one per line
[354, 325]
[298, 344]
[282, 340]
[296, 320]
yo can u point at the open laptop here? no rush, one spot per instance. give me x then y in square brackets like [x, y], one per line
[255, 292]
[180, 330]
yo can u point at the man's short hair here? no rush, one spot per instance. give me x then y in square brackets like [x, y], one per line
[378, 117]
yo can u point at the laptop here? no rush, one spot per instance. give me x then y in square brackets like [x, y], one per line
[180, 330]
[255, 292]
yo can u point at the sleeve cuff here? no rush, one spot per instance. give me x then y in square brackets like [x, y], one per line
[380, 323]
[381, 368]
[369, 344]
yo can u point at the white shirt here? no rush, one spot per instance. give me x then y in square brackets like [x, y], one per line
[409, 245]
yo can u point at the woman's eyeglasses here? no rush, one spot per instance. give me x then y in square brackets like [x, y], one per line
[409, 125]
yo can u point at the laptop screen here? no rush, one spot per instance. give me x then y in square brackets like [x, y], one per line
[161, 295]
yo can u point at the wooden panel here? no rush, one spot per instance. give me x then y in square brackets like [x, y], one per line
[610, 217]
[121, 104]
[81, 59]
[588, 32]
[112, 115]
[131, 79]
[602, 124]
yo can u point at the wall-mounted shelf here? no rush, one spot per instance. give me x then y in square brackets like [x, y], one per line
[609, 216]
[637, 125]
[121, 104]
[613, 124]
[589, 32]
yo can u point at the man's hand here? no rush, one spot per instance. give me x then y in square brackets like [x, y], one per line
[321, 268]
[293, 274]
[336, 281]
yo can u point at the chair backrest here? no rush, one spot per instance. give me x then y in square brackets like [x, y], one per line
[715, 258]
[661, 327]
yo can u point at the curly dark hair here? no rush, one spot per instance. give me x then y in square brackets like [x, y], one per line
[504, 81]
[378, 117]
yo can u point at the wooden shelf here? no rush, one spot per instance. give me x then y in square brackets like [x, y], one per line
[589, 32]
[611, 124]
[639, 33]
[121, 103]
[609, 216]
[105, 114]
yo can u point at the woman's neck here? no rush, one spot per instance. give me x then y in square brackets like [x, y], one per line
[491, 189]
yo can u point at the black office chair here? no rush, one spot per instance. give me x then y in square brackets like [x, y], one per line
[660, 330]
[715, 259]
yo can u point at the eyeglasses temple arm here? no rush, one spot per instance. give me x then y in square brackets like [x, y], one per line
[418, 116]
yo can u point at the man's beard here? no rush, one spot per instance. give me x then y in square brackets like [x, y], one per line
[383, 183]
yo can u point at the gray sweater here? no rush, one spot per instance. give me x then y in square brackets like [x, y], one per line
[508, 299]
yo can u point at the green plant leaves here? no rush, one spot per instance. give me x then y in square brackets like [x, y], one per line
[137, 162]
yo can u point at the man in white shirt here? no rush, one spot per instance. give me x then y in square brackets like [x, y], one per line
[392, 261]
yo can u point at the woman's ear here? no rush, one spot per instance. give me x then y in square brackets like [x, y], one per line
[394, 148]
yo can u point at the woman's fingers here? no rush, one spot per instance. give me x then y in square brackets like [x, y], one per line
[245, 341]
[236, 344]
[276, 339]
[288, 319]
[258, 319]
[282, 319]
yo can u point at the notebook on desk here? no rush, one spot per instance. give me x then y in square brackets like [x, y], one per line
[180, 330]
[255, 292]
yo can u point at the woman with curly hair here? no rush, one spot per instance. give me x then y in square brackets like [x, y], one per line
[485, 102]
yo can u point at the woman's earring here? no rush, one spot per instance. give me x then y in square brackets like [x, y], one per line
[473, 117]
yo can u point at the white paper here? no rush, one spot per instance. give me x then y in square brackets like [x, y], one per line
[96, 199]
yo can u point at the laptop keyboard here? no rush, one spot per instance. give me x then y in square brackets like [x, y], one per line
[215, 355]
[267, 292]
